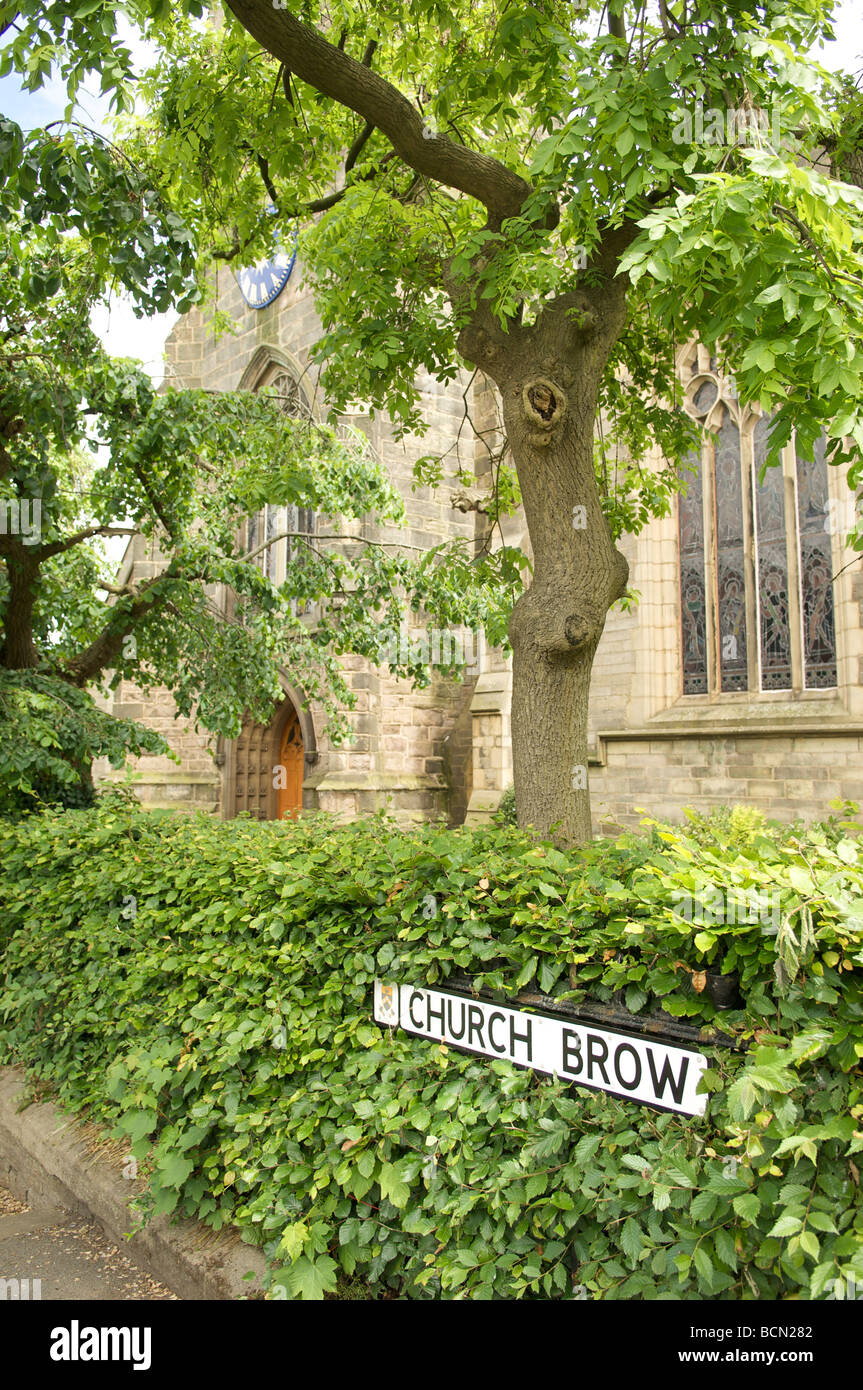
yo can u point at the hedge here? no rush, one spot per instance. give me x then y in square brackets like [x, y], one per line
[205, 989]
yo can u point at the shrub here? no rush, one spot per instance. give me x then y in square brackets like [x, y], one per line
[50, 734]
[206, 989]
[730, 825]
[506, 813]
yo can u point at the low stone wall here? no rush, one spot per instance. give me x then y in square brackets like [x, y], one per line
[665, 770]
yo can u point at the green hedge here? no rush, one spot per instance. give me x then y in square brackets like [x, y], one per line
[206, 989]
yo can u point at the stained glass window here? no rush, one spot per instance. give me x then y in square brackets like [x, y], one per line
[777, 567]
[819, 628]
[272, 522]
[692, 595]
[772, 556]
[272, 531]
[731, 575]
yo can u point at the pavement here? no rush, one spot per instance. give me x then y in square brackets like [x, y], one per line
[71, 1257]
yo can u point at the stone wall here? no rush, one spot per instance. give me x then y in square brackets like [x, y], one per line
[194, 783]
[409, 751]
[783, 769]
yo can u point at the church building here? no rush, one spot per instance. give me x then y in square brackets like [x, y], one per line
[736, 678]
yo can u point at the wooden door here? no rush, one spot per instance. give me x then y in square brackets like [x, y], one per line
[253, 772]
[290, 795]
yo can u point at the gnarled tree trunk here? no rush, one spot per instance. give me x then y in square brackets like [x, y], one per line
[549, 377]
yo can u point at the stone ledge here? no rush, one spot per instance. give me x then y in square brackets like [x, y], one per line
[482, 806]
[811, 707]
[680, 733]
[159, 779]
[47, 1158]
[492, 693]
[376, 782]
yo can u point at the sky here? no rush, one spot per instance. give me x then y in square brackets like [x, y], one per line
[123, 334]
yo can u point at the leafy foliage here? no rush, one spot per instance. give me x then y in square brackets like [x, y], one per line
[90, 451]
[206, 988]
[50, 734]
[506, 811]
[67, 179]
[740, 241]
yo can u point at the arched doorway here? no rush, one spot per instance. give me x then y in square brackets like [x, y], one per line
[266, 767]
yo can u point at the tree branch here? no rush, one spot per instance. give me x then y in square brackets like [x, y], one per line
[44, 552]
[151, 498]
[323, 66]
[356, 148]
[667, 20]
[792, 220]
[103, 651]
[121, 591]
[308, 536]
[264, 168]
[616, 25]
[318, 205]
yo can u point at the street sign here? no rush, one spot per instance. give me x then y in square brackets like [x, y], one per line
[624, 1064]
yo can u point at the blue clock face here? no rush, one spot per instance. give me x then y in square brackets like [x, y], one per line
[263, 282]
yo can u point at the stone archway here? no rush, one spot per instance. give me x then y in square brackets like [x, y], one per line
[266, 767]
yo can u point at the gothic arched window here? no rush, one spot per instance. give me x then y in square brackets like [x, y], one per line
[756, 592]
[284, 526]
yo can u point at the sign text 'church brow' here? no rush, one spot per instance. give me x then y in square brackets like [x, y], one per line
[626, 1065]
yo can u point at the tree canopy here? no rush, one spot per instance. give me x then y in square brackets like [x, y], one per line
[92, 453]
[560, 196]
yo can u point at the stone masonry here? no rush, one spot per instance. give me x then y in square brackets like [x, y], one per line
[446, 750]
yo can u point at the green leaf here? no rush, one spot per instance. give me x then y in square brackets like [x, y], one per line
[724, 1245]
[742, 1097]
[138, 1123]
[747, 1205]
[801, 880]
[821, 1221]
[174, 1170]
[311, 1280]
[631, 1240]
[393, 1185]
[810, 1243]
[703, 1264]
[293, 1241]
[703, 1206]
[787, 1225]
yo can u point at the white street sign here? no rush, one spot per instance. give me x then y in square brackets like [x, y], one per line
[634, 1067]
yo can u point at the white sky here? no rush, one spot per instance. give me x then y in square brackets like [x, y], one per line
[123, 334]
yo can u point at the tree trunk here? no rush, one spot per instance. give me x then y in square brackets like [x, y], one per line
[549, 377]
[18, 651]
[549, 742]
[556, 625]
